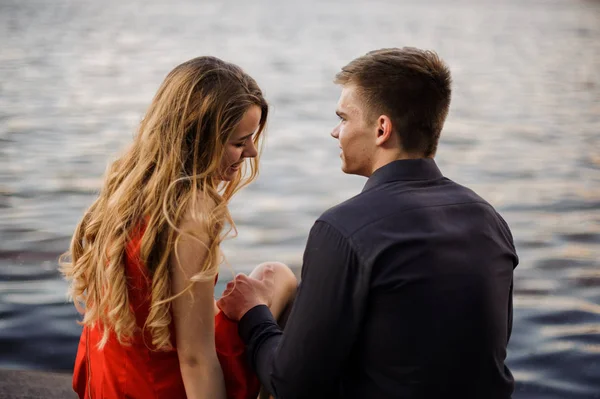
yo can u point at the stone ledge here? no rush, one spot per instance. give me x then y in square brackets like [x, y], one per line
[26, 384]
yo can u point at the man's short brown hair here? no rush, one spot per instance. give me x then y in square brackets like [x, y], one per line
[411, 86]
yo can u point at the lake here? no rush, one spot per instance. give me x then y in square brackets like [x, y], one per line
[523, 131]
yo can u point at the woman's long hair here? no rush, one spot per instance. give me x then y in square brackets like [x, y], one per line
[174, 160]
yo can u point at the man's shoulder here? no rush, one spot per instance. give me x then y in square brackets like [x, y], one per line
[466, 192]
[471, 195]
[384, 201]
[350, 214]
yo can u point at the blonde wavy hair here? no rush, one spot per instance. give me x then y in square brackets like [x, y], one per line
[175, 158]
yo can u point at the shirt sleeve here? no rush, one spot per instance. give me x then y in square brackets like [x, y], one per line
[509, 236]
[510, 313]
[307, 358]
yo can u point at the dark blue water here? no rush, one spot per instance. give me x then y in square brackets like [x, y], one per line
[524, 128]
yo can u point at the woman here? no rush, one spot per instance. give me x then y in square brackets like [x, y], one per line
[144, 259]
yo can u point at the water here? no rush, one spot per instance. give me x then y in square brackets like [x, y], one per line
[75, 78]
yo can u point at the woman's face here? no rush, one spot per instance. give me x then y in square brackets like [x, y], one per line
[240, 144]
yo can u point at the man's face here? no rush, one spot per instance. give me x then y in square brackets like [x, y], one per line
[355, 135]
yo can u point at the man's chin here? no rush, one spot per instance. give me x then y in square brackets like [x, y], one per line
[351, 171]
[347, 170]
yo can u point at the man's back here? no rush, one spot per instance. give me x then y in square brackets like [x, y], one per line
[406, 288]
[437, 265]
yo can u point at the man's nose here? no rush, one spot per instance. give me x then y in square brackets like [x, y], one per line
[335, 133]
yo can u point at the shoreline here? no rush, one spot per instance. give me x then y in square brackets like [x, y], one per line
[30, 384]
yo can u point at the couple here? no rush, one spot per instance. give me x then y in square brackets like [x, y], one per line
[406, 288]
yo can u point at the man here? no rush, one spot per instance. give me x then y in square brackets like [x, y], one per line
[406, 288]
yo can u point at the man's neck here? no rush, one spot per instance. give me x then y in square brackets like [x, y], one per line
[385, 159]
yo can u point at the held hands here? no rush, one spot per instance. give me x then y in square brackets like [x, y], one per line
[244, 293]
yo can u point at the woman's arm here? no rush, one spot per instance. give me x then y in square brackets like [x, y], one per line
[194, 319]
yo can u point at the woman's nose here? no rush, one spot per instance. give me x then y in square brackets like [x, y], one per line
[251, 150]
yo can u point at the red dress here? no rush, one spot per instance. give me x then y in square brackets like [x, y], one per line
[136, 371]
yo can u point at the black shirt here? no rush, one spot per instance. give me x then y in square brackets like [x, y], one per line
[406, 292]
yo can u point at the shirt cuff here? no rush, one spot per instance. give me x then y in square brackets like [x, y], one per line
[260, 314]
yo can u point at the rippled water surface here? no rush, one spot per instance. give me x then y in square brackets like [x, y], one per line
[76, 76]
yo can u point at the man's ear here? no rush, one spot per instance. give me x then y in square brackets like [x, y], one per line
[384, 130]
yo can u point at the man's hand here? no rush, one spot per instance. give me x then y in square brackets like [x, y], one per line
[244, 293]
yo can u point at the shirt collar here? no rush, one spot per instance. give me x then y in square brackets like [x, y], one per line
[404, 170]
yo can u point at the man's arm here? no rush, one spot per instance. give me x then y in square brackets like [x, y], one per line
[509, 237]
[309, 357]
